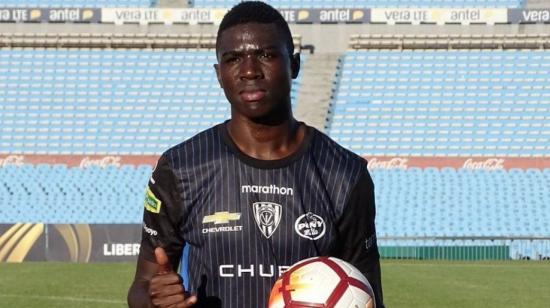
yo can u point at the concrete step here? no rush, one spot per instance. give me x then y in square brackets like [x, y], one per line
[315, 93]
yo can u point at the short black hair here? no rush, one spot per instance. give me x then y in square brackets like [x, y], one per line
[256, 11]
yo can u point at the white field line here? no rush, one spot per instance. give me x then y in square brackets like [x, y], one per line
[64, 298]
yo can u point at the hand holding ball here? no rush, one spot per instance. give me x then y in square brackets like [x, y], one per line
[322, 282]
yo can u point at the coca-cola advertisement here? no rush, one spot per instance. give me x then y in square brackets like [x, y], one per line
[374, 162]
[393, 163]
[101, 162]
[12, 160]
[488, 164]
[82, 161]
[471, 163]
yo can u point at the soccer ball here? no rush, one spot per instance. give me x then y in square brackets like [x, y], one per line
[321, 282]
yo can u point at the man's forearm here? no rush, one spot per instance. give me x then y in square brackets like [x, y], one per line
[138, 295]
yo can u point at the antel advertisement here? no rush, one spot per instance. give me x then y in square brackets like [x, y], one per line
[145, 16]
[53, 15]
[463, 16]
[192, 16]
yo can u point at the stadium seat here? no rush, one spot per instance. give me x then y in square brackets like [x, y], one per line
[463, 108]
[410, 202]
[72, 195]
[104, 96]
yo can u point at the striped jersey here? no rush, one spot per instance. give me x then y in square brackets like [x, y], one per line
[235, 223]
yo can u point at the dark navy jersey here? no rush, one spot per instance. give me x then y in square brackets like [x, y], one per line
[236, 222]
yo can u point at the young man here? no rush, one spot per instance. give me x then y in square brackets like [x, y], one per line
[239, 203]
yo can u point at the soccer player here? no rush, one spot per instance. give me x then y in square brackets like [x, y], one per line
[237, 204]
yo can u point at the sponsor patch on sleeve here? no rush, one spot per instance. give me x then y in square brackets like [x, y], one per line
[369, 243]
[152, 203]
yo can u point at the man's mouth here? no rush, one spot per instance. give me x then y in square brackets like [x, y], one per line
[252, 96]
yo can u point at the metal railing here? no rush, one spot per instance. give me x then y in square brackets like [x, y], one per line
[449, 41]
[465, 248]
[115, 40]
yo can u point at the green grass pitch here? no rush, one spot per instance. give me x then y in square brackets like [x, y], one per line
[406, 283]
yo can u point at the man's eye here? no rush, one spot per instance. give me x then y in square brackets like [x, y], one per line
[266, 55]
[232, 59]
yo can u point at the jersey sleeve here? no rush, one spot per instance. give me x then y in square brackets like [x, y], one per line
[357, 242]
[162, 215]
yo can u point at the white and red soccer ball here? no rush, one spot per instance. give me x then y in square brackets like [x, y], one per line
[321, 282]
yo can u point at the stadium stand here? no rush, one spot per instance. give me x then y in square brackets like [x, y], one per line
[461, 202]
[463, 214]
[443, 103]
[370, 3]
[117, 89]
[75, 3]
[137, 101]
[59, 194]
[430, 203]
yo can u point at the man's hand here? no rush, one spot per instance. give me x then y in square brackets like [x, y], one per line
[370, 303]
[166, 288]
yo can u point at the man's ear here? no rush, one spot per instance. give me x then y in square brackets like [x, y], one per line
[295, 65]
[217, 69]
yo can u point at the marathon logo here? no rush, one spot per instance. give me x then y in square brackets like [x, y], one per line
[268, 190]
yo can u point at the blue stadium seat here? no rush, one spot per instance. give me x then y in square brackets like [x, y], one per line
[412, 202]
[443, 103]
[72, 195]
[138, 102]
[448, 202]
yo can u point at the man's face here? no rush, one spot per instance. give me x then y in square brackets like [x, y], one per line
[255, 69]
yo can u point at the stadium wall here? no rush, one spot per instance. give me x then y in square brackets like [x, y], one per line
[333, 38]
[81, 243]
[92, 243]
[375, 162]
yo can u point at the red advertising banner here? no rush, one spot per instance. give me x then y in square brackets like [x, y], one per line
[486, 163]
[79, 160]
[375, 162]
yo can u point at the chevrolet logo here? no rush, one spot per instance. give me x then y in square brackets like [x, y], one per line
[221, 217]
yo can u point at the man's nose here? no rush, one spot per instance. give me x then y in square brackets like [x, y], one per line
[250, 68]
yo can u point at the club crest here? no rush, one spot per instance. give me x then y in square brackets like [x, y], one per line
[267, 216]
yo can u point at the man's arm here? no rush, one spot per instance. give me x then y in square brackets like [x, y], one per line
[156, 284]
[356, 242]
[138, 295]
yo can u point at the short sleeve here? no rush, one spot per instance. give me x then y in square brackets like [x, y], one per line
[162, 214]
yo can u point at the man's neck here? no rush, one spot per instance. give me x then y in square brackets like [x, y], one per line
[266, 142]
